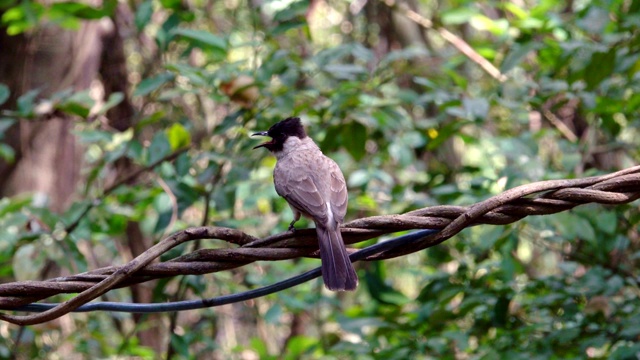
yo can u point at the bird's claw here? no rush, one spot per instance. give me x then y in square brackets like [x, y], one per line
[292, 228]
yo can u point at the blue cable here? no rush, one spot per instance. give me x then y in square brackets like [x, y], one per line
[233, 298]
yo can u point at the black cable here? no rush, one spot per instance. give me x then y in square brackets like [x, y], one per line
[233, 298]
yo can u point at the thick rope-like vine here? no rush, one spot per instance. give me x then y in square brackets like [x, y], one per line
[540, 198]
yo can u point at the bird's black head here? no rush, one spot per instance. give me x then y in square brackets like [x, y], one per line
[280, 132]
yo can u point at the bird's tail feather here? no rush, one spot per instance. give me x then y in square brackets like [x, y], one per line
[337, 271]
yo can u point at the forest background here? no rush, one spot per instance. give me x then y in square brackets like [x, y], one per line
[421, 102]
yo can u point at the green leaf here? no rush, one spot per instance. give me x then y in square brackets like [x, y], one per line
[498, 27]
[595, 20]
[299, 345]
[607, 221]
[400, 153]
[64, 20]
[379, 289]
[79, 10]
[143, 14]
[94, 136]
[516, 54]
[585, 230]
[22, 17]
[403, 54]
[626, 351]
[29, 261]
[159, 147]
[332, 138]
[516, 10]
[565, 335]
[163, 206]
[610, 124]
[79, 103]
[260, 348]
[570, 226]
[113, 101]
[599, 68]
[5, 124]
[26, 103]
[354, 138]
[178, 136]
[181, 344]
[151, 84]
[18, 27]
[171, 4]
[7, 153]
[459, 15]
[150, 120]
[501, 311]
[194, 74]
[288, 25]
[295, 9]
[273, 315]
[359, 178]
[345, 71]
[165, 33]
[4, 93]
[14, 14]
[118, 145]
[200, 38]
[75, 109]
[5, 4]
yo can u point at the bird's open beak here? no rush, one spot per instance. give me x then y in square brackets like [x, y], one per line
[262, 133]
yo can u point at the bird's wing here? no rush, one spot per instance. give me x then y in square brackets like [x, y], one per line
[295, 183]
[338, 191]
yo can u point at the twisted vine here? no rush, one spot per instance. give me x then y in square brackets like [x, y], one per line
[540, 198]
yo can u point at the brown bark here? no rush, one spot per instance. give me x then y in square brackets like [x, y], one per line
[48, 157]
[113, 70]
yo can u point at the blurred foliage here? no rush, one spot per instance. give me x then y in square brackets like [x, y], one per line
[411, 126]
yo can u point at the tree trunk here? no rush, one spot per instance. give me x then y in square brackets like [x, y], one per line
[48, 158]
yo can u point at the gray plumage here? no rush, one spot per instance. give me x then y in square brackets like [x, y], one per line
[314, 186]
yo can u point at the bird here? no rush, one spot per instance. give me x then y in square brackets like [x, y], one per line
[313, 185]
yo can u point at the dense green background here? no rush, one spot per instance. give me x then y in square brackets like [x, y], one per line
[411, 121]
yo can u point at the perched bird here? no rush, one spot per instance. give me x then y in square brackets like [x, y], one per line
[314, 186]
